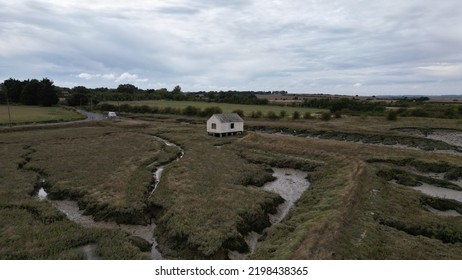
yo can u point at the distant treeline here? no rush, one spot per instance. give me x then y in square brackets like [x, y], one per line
[80, 96]
[344, 104]
[145, 109]
[29, 92]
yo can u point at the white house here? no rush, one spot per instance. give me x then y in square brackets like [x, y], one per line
[225, 124]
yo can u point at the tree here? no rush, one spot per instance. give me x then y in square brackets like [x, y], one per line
[77, 99]
[47, 93]
[14, 88]
[127, 88]
[29, 93]
[176, 89]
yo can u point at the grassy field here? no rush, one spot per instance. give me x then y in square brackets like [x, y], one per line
[35, 114]
[209, 200]
[225, 107]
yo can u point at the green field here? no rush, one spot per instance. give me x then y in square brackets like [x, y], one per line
[226, 107]
[36, 114]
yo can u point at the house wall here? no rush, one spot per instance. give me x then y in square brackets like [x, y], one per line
[223, 127]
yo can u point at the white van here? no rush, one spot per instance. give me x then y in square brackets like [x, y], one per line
[111, 115]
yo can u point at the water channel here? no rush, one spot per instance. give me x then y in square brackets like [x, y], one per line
[73, 213]
[290, 184]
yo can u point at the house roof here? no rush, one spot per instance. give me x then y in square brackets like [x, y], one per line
[228, 118]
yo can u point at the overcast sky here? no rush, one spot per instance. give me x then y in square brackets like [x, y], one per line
[344, 47]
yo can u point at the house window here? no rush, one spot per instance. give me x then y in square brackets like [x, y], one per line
[214, 126]
[232, 125]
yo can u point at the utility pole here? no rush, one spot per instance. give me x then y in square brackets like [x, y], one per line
[7, 104]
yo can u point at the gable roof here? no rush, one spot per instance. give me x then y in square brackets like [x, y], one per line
[228, 118]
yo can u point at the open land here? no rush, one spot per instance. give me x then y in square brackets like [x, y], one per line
[36, 114]
[360, 204]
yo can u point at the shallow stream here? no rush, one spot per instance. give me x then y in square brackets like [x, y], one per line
[290, 185]
[73, 213]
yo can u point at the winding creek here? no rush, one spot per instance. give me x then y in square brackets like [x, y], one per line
[73, 213]
[290, 184]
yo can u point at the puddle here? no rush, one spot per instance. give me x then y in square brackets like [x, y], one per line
[439, 192]
[42, 194]
[290, 185]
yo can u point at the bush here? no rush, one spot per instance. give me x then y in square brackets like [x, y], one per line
[271, 115]
[256, 115]
[326, 116]
[296, 115]
[239, 112]
[191, 111]
[282, 114]
[209, 111]
[392, 116]
[307, 116]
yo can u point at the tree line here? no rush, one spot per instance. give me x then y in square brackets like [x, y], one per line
[30, 92]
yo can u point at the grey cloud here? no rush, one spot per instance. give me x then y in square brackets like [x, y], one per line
[300, 46]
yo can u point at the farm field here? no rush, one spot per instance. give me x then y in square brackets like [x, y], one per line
[36, 114]
[226, 107]
[363, 200]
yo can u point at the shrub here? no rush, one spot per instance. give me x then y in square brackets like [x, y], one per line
[191, 111]
[326, 116]
[392, 116]
[271, 115]
[256, 115]
[307, 115]
[239, 112]
[296, 115]
[282, 114]
[209, 111]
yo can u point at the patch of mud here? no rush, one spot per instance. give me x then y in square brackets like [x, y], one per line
[439, 192]
[73, 213]
[89, 251]
[290, 185]
[452, 137]
[447, 213]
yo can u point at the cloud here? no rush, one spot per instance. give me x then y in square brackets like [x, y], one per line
[443, 69]
[297, 45]
[124, 77]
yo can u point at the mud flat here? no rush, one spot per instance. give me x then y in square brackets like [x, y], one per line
[290, 185]
[73, 213]
[447, 213]
[439, 192]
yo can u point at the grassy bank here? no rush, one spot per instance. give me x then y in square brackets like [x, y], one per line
[36, 114]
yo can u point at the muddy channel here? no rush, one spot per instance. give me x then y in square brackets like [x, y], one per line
[73, 213]
[290, 184]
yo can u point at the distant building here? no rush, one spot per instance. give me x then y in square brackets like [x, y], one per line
[225, 125]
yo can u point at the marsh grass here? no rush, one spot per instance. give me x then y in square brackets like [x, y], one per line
[209, 200]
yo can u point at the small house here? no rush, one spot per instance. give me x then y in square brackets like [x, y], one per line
[225, 125]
